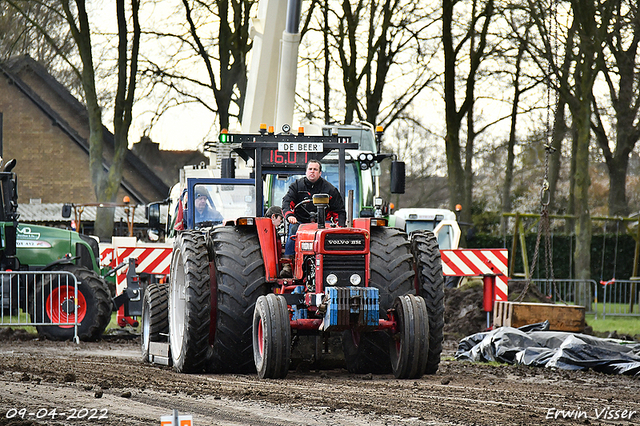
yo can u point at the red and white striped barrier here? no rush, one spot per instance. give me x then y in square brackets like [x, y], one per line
[480, 262]
[106, 256]
[152, 258]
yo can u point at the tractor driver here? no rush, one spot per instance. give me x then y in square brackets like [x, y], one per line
[205, 210]
[304, 189]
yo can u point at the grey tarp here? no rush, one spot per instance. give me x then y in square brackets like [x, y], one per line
[534, 345]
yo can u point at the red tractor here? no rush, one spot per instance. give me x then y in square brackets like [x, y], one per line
[229, 311]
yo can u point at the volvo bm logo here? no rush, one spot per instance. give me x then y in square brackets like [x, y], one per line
[344, 242]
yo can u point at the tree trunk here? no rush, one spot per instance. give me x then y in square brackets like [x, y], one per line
[455, 178]
[618, 166]
[582, 118]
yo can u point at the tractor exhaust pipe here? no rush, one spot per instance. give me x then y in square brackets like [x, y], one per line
[350, 209]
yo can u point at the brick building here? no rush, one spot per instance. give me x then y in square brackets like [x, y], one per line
[46, 130]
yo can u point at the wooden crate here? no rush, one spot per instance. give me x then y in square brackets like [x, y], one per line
[517, 314]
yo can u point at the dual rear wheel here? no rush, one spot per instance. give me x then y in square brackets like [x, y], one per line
[215, 281]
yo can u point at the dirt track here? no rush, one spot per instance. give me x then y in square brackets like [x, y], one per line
[108, 380]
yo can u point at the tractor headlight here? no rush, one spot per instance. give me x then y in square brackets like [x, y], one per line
[332, 279]
[355, 279]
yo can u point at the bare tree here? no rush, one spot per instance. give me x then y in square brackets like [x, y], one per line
[106, 183]
[373, 43]
[619, 66]
[216, 39]
[517, 92]
[459, 178]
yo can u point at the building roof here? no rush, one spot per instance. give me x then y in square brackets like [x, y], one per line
[166, 164]
[52, 212]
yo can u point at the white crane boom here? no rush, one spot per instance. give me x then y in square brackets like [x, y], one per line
[271, 84]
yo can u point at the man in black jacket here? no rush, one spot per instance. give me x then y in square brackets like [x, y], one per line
[304, 189]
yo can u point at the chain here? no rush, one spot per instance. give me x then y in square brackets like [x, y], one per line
[545, 193]
[543, 227]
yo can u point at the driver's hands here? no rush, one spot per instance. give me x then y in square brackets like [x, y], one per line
[292, 219]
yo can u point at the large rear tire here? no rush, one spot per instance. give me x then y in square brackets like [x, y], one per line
[426, 253]
[240, 280]
[155, 319]
[54, 303]
[189, 303]
[393, 275]
[410, 345]
[271, 337]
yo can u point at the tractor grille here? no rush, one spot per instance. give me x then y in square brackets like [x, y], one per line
[343, 267]
[344, 242]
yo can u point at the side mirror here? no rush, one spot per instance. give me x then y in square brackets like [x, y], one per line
[397, 177]
[153, 215]
[228, 166]
[66, 211]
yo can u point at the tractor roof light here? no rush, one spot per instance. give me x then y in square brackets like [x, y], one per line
[224, 136]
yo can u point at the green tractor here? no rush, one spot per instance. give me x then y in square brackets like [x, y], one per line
[40, 249]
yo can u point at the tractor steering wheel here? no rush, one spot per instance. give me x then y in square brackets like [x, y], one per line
[301, 206]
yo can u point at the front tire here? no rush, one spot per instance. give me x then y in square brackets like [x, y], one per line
[155, 320]
[393, 275]
[271, 337]
[426, 253]
[54, 303]
[189, 305]
[410, 346]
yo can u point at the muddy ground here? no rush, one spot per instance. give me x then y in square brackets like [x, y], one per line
[105, 383]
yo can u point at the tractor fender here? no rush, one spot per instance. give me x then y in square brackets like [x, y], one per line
[63, 261]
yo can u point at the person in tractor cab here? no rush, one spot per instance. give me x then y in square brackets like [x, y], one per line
[276, 215]
[205, 210]
[304, 189]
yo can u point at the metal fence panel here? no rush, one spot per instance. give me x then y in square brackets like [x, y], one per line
[620, 298]
[39, 299]
[571, 291]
